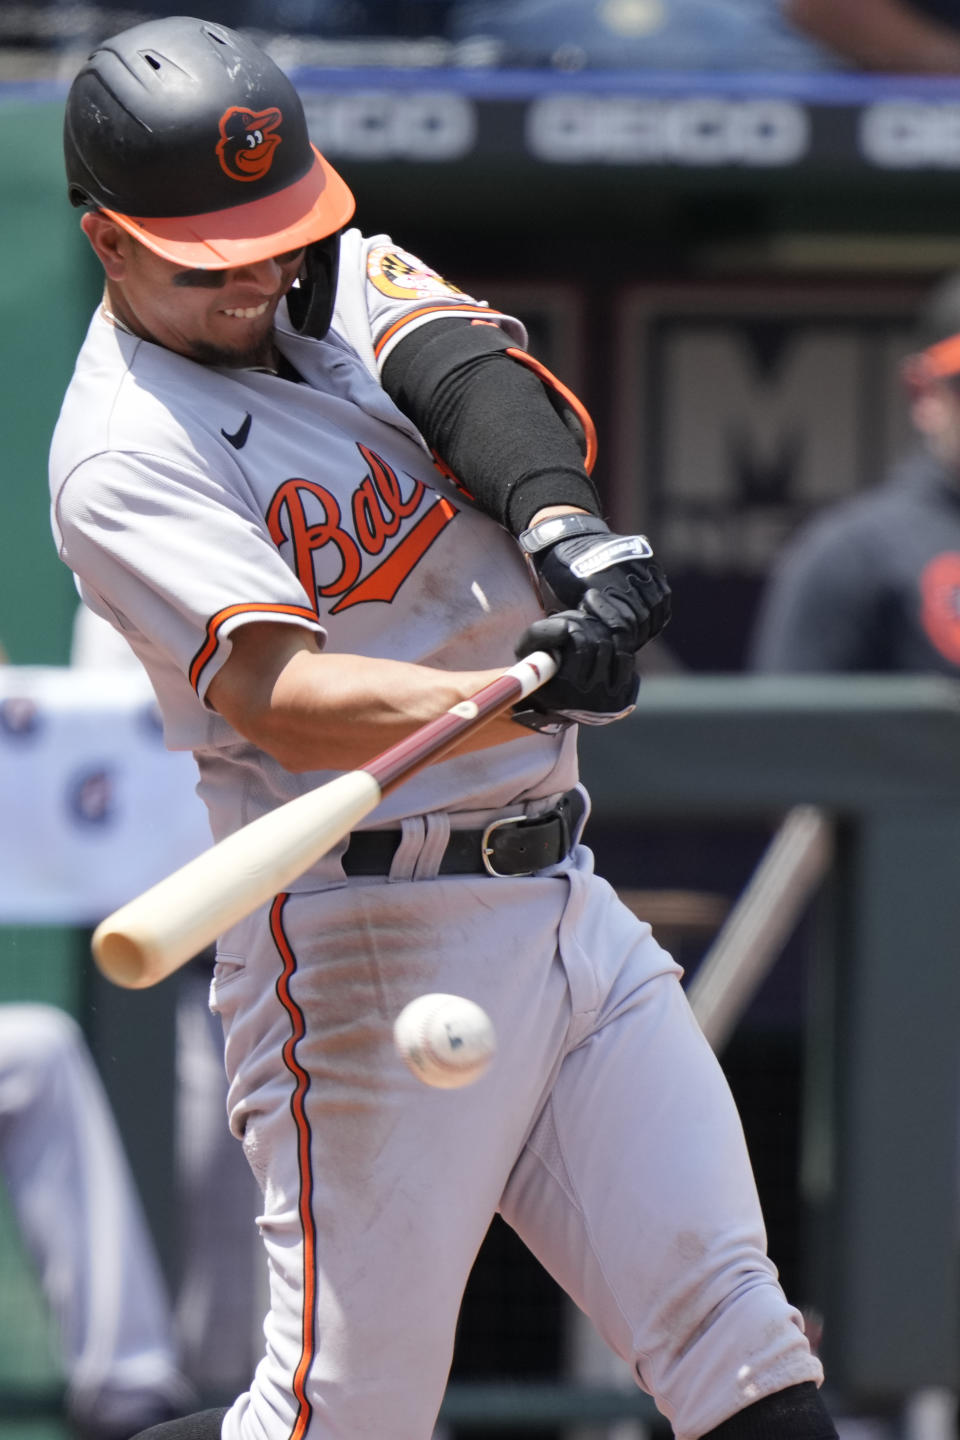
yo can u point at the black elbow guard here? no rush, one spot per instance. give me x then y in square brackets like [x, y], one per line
[514, 438]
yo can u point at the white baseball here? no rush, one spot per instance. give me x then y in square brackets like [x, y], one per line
[447, 1041]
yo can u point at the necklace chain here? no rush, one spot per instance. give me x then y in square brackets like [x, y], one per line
[113, 319]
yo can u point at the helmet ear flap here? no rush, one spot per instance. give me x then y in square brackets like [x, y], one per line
[310, 302]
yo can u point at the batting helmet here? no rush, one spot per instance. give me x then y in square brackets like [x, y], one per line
[192, 139]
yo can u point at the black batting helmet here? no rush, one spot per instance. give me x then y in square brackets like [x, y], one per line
[192, 139]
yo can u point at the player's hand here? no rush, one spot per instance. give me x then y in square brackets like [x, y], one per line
[596, 680]
[611, 577]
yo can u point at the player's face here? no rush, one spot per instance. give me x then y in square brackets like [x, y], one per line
[936, 414]
[216, 317]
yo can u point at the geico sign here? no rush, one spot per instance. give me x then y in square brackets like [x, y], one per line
[391, 124]
[904, 135]
[694, 131]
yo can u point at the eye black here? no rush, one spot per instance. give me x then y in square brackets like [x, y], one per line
[207, 279]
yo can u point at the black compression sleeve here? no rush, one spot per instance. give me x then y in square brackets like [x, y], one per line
[489, 419]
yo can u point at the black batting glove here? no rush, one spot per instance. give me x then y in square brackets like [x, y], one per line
[596, 680]
[578, 563]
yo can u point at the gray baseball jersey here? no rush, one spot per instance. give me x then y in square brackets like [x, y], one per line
[322, 507]
[191, 500]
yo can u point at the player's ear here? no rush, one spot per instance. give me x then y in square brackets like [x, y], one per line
[108, 241]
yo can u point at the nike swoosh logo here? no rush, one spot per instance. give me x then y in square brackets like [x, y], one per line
[239, 438]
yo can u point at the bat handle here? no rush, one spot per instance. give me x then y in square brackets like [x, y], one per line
[438, 736]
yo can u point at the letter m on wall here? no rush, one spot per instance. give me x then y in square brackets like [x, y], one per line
[743, 409]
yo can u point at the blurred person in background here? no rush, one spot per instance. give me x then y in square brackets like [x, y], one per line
[58, 34]
[80, 1218]
[872, 583]
[908, 36]
[217, 1196]
[914, 36]
[638, 34]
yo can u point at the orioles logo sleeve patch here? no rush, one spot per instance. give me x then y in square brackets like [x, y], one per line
[403, 277]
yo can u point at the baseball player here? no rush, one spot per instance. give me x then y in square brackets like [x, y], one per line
[326, 495]
[841, 597]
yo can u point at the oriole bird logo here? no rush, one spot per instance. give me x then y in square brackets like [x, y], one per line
[248, 140]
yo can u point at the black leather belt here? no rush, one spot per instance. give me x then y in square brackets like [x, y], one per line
[512, 846]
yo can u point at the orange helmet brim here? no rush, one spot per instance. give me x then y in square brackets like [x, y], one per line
[312, 208]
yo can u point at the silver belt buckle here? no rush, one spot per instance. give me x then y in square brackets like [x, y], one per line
[486, 850]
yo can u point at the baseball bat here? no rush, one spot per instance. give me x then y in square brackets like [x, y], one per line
[151, 936]
[754, 933]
